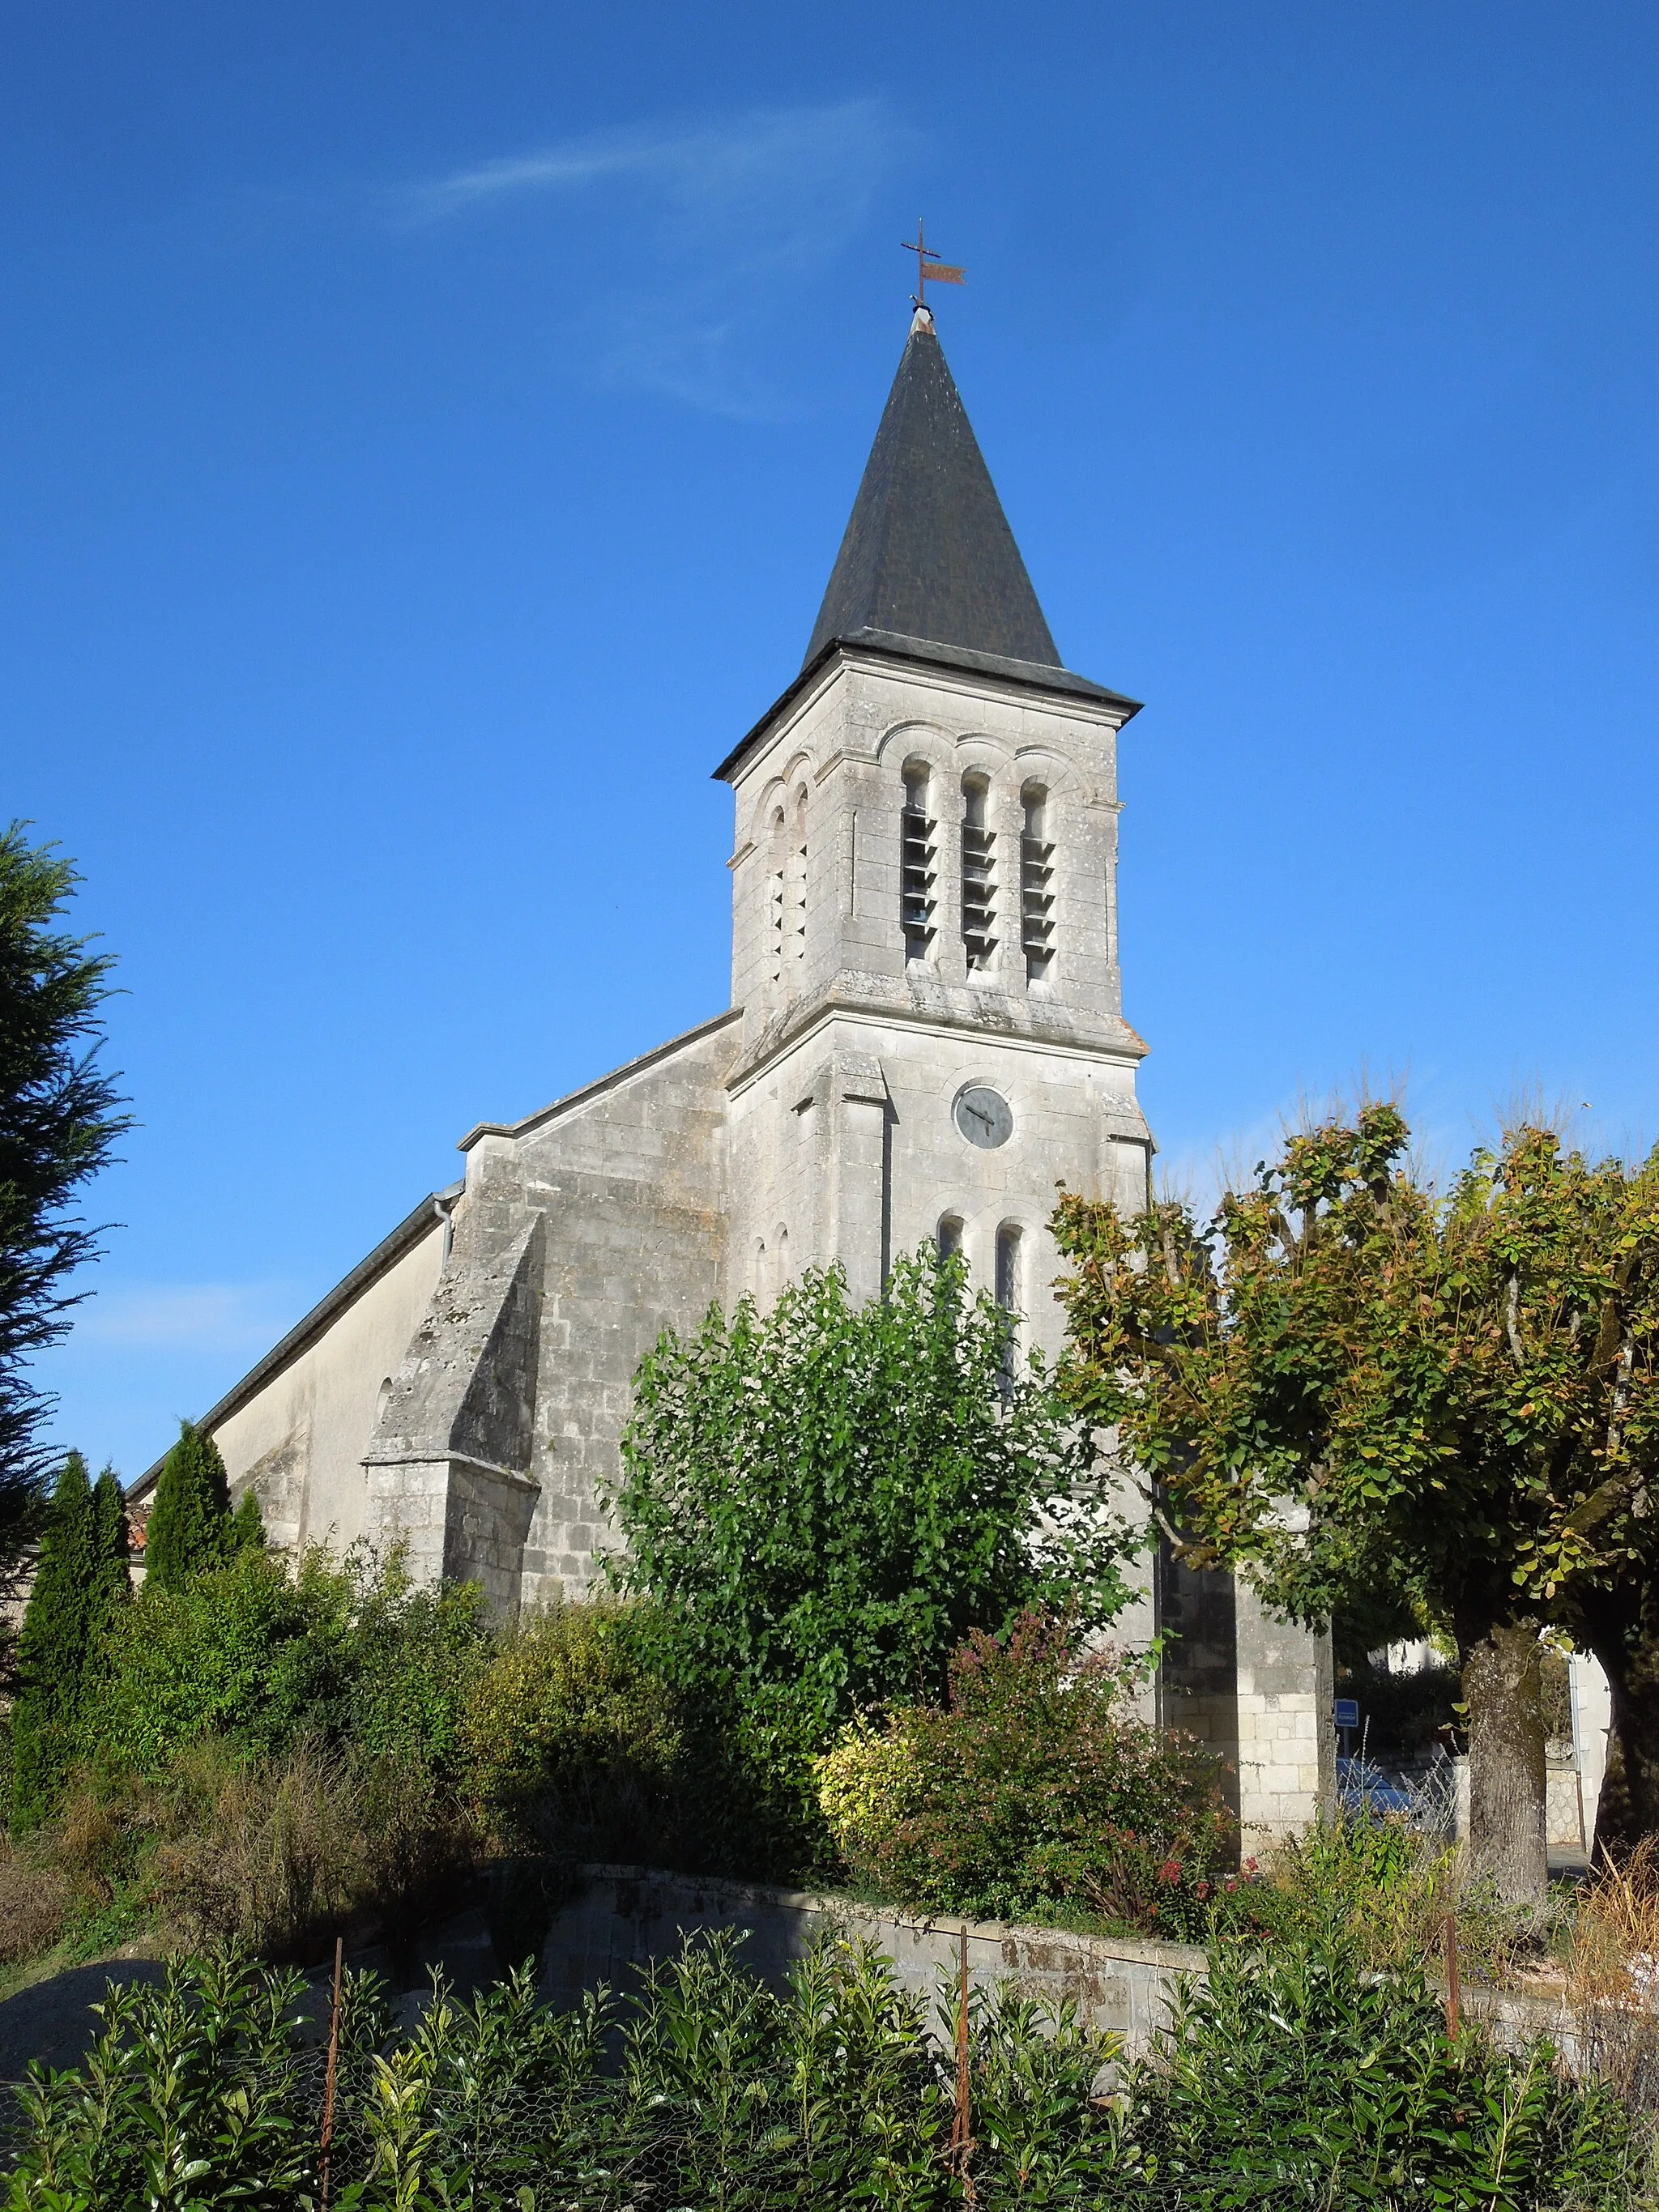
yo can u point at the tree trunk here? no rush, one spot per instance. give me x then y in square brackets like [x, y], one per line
[1628, 1808]
[1507, 1782]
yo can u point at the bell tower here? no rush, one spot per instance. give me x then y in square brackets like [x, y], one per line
[925, 943]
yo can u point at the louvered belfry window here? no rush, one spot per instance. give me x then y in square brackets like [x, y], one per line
[775, 905]
[1036, 895]
[797, 913]
[979, 884]
[916, 874]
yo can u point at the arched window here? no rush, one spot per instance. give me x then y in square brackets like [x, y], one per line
[916, 829]
[1037, 899]
[978, 876]
[1008, 1267]
[950, 1237]
[1009, 1287]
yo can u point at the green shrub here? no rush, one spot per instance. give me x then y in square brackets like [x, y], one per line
[1374, 1887]
[255, 1652]
[572, 1742]
[112, 1551]
[53, 1648]
[1036, 1786]
[269, 1749]
[414, 1658]
[189, 1527]
[194, 2095]
[1294, 2077]
[1383, 1891]
[264, 1651]
[735, 2095]
[819, 1503]
[247, 1524]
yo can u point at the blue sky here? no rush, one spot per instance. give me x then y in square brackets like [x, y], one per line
[425, 433]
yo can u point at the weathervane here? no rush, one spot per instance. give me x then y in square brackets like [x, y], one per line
[929, 267]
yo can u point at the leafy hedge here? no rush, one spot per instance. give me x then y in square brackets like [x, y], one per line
[1293, 2082]
[573, 1744]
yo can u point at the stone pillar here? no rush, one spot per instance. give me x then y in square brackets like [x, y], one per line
[860, 1228]
[1287, 1742]
[409, 1512]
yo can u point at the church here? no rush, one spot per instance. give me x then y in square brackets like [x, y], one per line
[926, 1037]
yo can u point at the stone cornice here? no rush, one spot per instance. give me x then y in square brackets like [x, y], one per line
[873, 1001]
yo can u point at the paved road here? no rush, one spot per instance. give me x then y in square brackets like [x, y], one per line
[52, 2020]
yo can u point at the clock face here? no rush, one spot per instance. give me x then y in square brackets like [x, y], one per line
[984, 1116]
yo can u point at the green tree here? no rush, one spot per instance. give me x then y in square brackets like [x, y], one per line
[247, 1524]
[189, 1523]
[1349, 1380]
[825, 1499]
[58, 1125]
[58, 1628]
[112, 1549]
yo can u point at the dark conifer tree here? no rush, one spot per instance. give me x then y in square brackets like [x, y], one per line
[51, 1656]
[247, 1524]
[112, 1547]
[190, 1522]
[58, 1125]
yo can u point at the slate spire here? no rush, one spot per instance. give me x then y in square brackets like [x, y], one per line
[929, 553]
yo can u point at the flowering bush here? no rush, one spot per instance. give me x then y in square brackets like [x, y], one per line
[1037, 1786]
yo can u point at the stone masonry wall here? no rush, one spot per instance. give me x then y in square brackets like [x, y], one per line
[627, 1917]
[628, 1180]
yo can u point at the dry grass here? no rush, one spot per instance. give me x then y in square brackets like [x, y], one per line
[1379, 1888]
[35, 1904]
[1613, 1976]
[264, 1853]
[272, 1853]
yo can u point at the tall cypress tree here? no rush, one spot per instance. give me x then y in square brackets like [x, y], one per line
[51, 1652]
[189, 1523]
[111, 1547]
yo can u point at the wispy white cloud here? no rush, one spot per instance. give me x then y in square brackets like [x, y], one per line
[238, 1317]
[675, 242]
[797, 172]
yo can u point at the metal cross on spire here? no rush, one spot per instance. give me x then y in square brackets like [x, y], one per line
[929, 267]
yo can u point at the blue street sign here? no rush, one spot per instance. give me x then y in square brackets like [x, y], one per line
[1347, 1712]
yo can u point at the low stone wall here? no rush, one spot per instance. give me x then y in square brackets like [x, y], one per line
[627, 1917]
